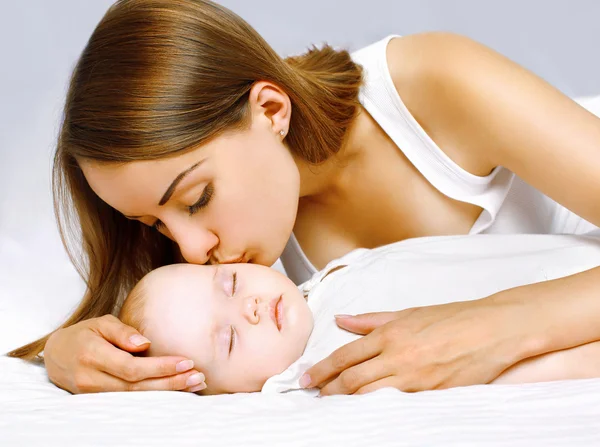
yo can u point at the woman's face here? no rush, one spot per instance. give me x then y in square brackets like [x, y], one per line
[234, 199]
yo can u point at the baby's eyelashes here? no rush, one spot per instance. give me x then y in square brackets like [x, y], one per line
[231, 284]
[231, 338]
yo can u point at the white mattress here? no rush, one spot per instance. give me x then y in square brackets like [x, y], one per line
[33, 412]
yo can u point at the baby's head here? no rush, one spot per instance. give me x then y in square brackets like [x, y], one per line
[239, 323]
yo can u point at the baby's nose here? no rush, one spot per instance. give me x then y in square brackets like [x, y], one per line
[251, 309]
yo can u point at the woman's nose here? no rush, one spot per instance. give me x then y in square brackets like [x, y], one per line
[196, 244]
[250, 309]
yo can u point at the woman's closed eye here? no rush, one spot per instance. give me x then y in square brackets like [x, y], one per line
[203, 201]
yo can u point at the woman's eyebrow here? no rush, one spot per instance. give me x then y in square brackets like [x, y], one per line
[171, 189]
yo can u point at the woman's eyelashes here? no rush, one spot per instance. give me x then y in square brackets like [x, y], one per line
[203, 201]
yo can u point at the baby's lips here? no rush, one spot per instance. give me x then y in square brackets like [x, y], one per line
[273, 311]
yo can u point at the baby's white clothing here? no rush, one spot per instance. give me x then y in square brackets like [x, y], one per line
[427, 271]
[510, 206]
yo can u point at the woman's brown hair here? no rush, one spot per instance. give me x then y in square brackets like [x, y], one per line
[156, 78]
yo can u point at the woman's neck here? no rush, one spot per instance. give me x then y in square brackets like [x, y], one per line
[320, 182]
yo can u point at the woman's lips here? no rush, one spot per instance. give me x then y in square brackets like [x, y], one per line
[239, 260]
[276, 311]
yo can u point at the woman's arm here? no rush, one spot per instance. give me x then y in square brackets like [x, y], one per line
[581, 362]
[488, 111]
[484, 111]
[461, 343]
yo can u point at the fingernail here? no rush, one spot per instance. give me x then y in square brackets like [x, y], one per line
[194, 379]
[198, 388]
[184, 365]
[342, 316]
[305, 381]
[138, 340]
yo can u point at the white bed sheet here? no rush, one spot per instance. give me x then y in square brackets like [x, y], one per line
[34, 412]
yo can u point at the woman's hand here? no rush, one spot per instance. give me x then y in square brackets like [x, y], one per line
[85, 358]
[425, 348]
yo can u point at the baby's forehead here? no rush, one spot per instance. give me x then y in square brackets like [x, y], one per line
[170, 289]
[179, 271]
[179, 310]
[178, 276]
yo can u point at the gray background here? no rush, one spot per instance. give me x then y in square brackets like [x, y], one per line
[40, 41]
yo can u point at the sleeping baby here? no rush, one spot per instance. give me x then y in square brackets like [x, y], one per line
[249, 328]
[239, 323]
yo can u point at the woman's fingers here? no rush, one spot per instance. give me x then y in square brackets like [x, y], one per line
[119, 334]
[356, 377]
[86, 358]
[195, 389]
[386, 382]
[364, 323]
[342, 358]
[123, 365]
[145, 373]
[97, 381]
[180, 382]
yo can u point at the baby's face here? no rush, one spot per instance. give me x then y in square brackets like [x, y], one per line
[239, 323]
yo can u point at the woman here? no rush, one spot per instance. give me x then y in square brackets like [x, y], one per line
[186, 137]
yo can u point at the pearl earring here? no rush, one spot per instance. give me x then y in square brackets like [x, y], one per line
[282, 132]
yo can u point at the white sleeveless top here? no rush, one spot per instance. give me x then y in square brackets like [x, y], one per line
[509, 205]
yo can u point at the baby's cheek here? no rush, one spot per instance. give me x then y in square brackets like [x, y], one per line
[284, 356]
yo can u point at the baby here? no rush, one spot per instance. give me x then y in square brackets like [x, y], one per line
[248, 327]
[239, 323]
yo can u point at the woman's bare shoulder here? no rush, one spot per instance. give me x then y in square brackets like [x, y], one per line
[485, 110]
[431, 73]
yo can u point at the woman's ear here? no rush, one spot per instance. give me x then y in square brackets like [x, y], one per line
[267, 100]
